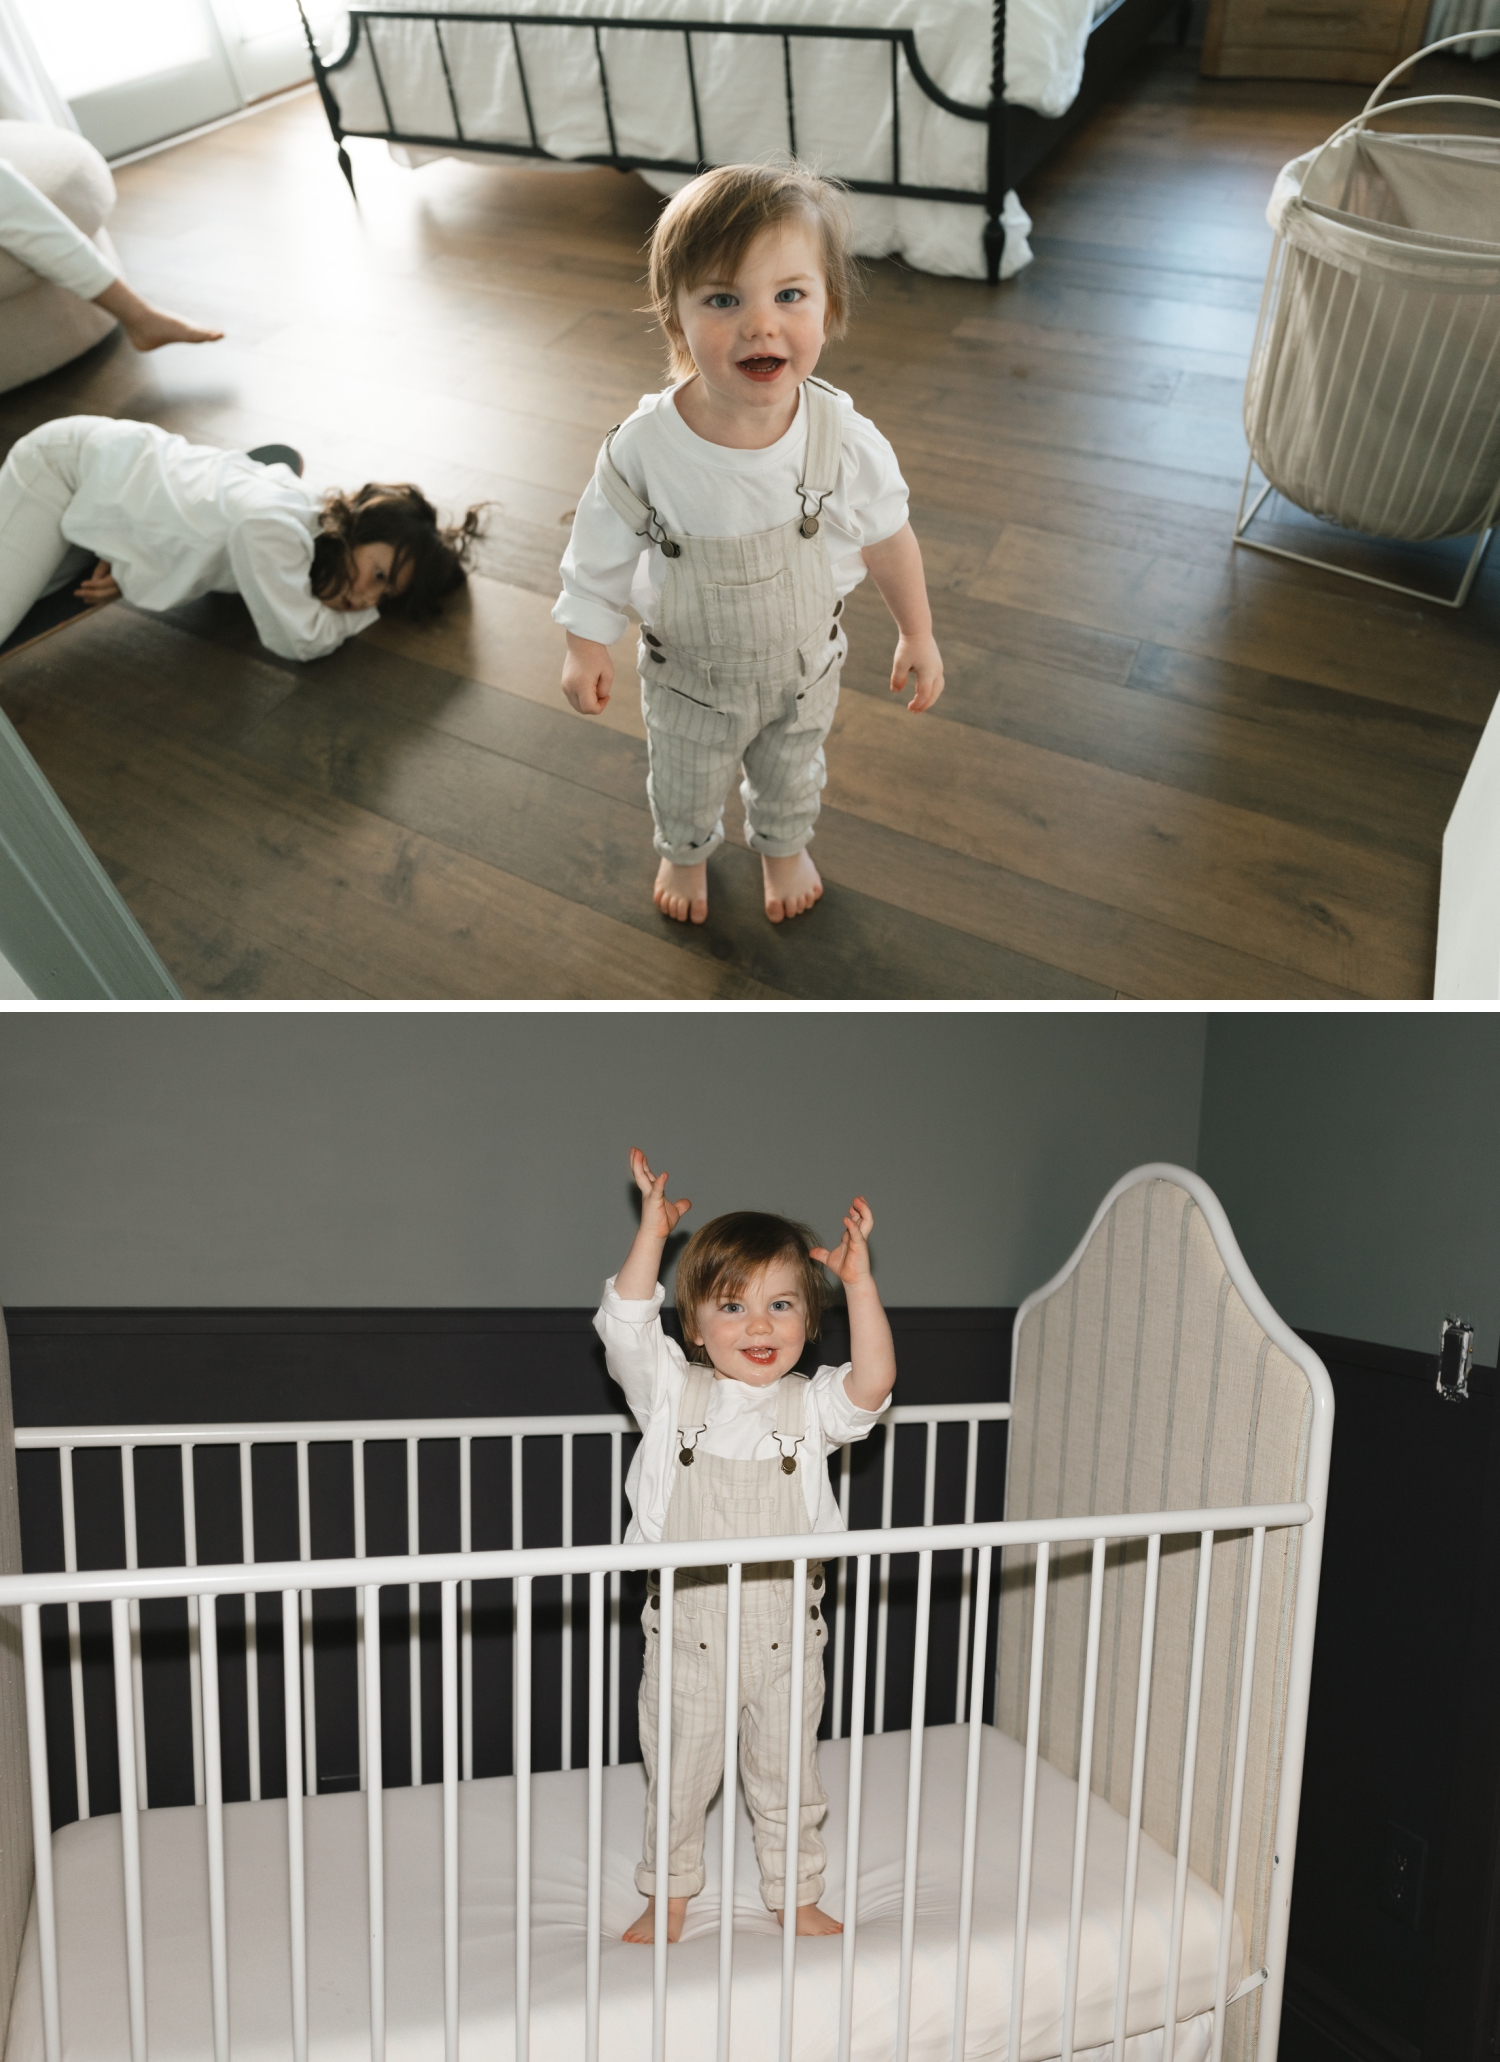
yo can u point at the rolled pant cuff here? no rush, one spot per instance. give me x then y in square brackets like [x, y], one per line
[808, 1892]
[687, 855]
[677, 1886]
[777, 848]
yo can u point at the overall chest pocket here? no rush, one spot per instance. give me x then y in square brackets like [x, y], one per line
[752, 614]
[743, 1515]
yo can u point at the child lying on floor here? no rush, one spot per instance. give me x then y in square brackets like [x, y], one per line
[733, 1443]
[162, 521]
[735, 512]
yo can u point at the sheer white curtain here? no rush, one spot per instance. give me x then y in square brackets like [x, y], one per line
[27, 93]
[1453, 17]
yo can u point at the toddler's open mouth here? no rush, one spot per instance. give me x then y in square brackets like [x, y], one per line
[761, 368]
[759, 1356]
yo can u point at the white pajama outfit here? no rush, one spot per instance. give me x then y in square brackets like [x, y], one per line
[737, 563]
[43, 238]
[757, 1465]
[174, 520]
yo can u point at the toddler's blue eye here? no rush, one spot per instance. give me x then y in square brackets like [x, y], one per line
[791, 293]
[721, 300]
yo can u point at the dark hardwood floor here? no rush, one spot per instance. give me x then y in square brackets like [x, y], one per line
[1163, 768]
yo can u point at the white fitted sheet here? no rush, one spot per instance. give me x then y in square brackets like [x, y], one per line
[90, 1908]
[842, 94]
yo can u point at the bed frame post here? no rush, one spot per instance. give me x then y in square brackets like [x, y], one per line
[994, 227]
[330, 105]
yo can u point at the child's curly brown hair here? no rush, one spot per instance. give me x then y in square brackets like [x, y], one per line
[721, 1257]
[429, 560]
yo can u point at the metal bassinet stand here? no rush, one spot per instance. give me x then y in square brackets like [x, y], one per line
[1357, 339]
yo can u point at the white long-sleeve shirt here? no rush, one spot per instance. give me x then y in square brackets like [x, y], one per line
[176, 520]
[43, 238]
[651, 1369]
[708, 490]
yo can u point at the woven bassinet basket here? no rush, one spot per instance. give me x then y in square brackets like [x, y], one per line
[1374, 392]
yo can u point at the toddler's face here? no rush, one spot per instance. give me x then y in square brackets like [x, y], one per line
[756, 1335]
[755, 338]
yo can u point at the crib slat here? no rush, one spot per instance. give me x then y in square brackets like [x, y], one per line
[126, 1741]
[195, 1660]
[252, 1651]
[1137, 1786]
[732, 1602]
[466, 1596]
[1028, 1798]
[375, 1822]
[523, 1816]
[914, 1788]
[839, 1605]
[1185, 1798]
[1237, 1793]
[971, 1808]
[614, 1602]
[567, 1604]
[137, 1678]
[414, 1618]
[357, 1468]
[856, 1793]
[213, 1769]
[1081, 1814]
[793, 1805]
[595, 1891]
[75, 1636]
[971, 1479]
[291, 1648]
[450, 1822]
[304, 1624]
[663, 1816]
[41, 1828]
[883, 1607]
[515, 1540]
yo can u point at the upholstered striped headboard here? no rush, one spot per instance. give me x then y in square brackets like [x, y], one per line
[1151, 1375]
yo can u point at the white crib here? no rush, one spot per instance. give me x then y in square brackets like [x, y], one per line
[1103, 1868]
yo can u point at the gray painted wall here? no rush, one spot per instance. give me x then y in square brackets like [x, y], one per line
[1357, 1158]
[390, 1159]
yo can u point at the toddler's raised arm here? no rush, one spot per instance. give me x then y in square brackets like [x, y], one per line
[636, 1281]
[872, 1350]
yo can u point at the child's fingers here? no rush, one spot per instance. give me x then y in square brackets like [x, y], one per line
[926, 694]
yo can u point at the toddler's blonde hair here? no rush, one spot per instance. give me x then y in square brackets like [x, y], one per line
[708, 227]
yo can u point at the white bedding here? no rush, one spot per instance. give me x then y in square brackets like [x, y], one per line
[842, 94]
[91, 1927]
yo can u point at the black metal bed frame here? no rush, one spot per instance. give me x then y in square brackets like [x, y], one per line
[1017, 138]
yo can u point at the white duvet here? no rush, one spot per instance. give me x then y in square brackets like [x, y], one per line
[91, 1927]
[842, 95]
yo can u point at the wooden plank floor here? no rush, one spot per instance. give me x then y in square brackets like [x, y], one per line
[1163, 768]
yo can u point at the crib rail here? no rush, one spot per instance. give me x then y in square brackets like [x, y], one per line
[580, 1444]
[123, 1589]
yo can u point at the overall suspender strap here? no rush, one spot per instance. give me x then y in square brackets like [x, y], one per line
[636, 514]
[791, 1418]
[825, 444]
[692, 1412]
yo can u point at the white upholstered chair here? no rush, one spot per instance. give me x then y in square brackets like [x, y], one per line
[42, 325]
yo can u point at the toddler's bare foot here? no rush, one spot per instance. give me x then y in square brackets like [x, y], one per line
[809, 1920]
[681, 892]
[149, 331]
[792, 885]
[644, 1929]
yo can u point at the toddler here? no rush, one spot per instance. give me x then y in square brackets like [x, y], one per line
[733, 1443]
[156, 519]
[736, 511]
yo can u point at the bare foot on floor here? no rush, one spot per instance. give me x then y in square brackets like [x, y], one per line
[681, 892]
[644, 1929]
[809, 1920]
[148, 332]
[792, 885]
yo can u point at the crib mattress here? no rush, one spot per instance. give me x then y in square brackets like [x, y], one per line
[90, 1911]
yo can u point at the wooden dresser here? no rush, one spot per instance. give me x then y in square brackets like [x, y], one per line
[1310, 39]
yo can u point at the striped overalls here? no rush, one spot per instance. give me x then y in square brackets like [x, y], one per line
[715, 1498]
[741, 666]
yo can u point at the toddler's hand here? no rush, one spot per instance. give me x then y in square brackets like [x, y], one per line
[850, 1258]
[921, 656]
[588, 675]
[100, 585]
[658, 1216]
